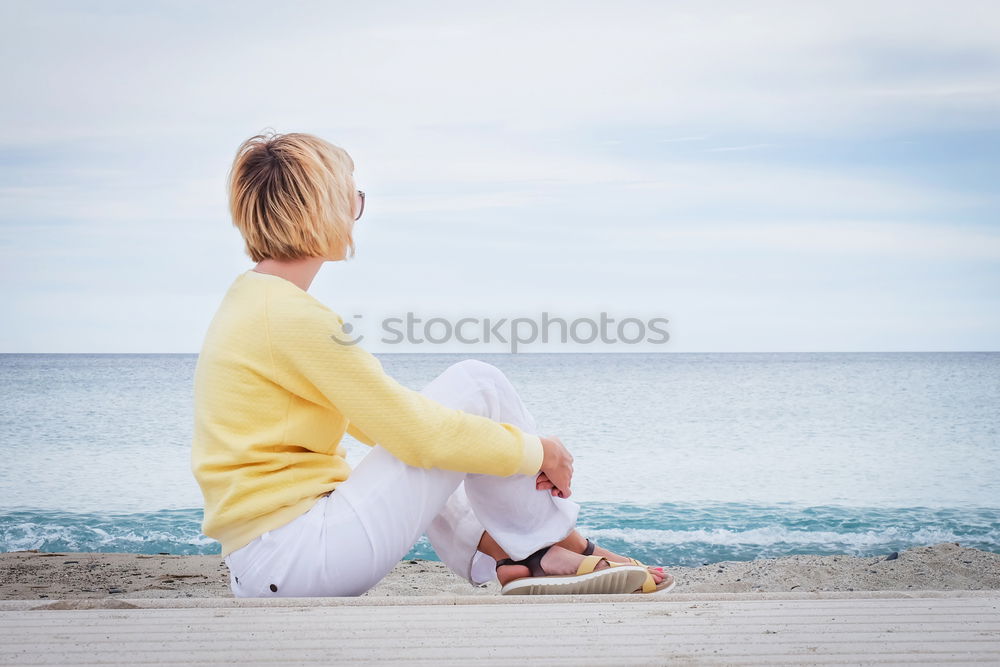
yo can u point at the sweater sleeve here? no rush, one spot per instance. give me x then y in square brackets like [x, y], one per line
[314, 358]
[359, 435]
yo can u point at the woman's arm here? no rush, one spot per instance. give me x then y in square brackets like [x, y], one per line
[308, 360]
[359, 435]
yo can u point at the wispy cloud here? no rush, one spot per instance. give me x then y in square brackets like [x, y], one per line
[850, 238]
[650, 156]
[682, 139]
[747, 147]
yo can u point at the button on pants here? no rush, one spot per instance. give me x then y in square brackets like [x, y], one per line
[350, 539]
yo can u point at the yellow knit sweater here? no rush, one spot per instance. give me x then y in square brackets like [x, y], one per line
[274, 395]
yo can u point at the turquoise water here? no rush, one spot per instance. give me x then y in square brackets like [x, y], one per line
[680, 458]
[668, 534]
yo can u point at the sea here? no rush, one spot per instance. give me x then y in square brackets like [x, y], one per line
[680, 459]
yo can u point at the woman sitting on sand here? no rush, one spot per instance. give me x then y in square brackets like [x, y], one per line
[279, 381]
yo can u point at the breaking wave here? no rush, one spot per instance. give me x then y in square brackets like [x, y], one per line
[668, 534]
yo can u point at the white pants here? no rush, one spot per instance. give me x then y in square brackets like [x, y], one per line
[350, 539]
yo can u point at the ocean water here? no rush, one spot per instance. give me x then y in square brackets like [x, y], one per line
[681, 459]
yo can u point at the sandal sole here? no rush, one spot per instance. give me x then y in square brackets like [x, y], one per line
[600, 582]
[660, 589]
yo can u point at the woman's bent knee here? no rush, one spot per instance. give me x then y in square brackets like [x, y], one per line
[480, 389]
[478, 369]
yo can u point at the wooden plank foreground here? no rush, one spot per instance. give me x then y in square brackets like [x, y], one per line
[937, 628]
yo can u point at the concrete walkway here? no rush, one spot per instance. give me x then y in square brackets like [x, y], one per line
[805, 628]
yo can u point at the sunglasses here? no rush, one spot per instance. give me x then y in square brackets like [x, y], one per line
[361, 209]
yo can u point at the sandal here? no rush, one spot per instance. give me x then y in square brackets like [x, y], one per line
[587, 580]
[649, 585]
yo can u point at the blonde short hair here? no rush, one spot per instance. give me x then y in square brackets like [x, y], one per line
[292, 196]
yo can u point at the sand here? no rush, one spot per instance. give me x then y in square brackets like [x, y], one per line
[30, 575]
[935, 604]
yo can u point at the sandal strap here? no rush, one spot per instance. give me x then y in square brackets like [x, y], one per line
[532, 562]
[589, 563]
[649, 585]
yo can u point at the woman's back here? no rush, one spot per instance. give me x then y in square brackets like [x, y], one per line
[261, 453]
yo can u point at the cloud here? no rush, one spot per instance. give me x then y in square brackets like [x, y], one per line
[574, 152]
[748, 147]
[782, 65]
[854, 238]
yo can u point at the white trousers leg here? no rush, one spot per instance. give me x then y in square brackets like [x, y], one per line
[519, 517]
[352, 538]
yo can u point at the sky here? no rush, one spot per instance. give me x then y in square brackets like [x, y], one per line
[766, 176]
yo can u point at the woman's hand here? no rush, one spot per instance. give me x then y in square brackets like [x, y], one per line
[557, 468]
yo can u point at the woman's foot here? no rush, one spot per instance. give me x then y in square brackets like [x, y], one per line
[556, 561]
[657, 572]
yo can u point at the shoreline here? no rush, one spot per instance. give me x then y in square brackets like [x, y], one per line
[34, 575]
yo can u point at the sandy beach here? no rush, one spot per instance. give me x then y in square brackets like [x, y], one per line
[935, 604]
[29, 575]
